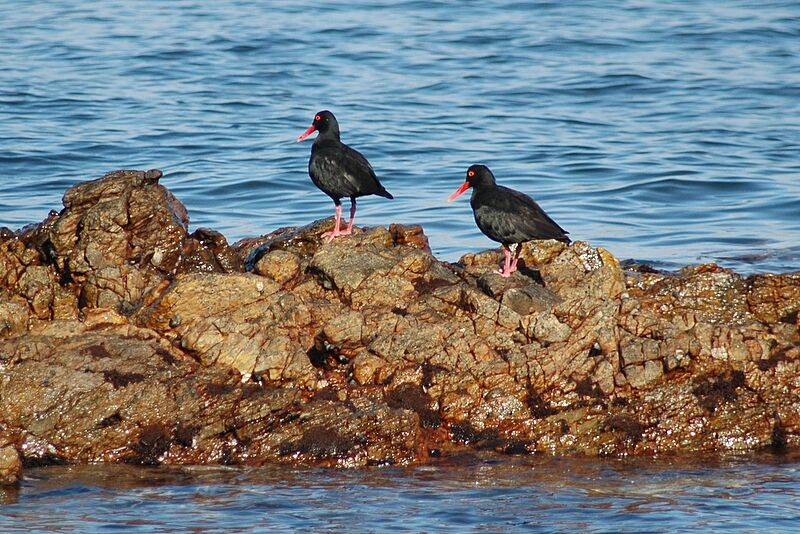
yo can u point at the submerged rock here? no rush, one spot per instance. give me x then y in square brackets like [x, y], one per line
[125, 338]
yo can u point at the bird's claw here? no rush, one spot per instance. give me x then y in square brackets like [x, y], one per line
[329, 236]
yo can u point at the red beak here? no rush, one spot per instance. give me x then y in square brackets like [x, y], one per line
[458, 191]
[311, 129]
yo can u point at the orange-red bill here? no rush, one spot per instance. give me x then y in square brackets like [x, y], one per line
[311, 129]
[458, 191]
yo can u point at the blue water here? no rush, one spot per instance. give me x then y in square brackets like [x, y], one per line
[667, 132]
[485, 494]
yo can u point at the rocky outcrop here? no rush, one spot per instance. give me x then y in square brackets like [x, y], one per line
[125, 338]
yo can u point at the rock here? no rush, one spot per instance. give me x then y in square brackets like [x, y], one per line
[131, 397]
[279, 265]
[124, 217]
[772, 298]
[546, 328]
[14, 315]
[302, 241]
[332, 436]
[37, 285]
[10, 465]
[125, 339]
[518, 292]
[207, 251]
[369, 369]
[345, 270]
[121, 288]
[412, 236]
[709, 292]
[203, 296]
[117, 239]
[639, 375]
[581, 271]
[234, 320]
[530, 299]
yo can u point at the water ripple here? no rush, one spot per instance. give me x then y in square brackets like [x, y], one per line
[468, 494]
[666, 132]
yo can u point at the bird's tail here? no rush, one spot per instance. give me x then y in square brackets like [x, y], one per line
[384, 193]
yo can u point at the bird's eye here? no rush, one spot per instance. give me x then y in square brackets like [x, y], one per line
[471, 174]
[317, 118]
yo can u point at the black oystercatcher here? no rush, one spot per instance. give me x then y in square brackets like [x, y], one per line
[338, 170]
[506, 215]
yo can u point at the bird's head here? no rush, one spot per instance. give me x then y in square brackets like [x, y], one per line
[477, 176]
[324, 122]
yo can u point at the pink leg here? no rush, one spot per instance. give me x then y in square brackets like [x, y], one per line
[516, 257]
[352, 216]
[506, 272]
[333, 233]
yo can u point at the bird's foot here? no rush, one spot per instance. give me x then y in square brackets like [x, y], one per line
[329, 236]
[504, 274]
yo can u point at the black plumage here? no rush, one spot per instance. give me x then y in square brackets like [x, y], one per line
[506, 215]
[338, 170]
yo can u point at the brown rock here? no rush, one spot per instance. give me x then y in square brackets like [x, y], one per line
[772, 298]
[530, 299]
[14, 315]
[518, 292]
[206, 295]
[120, 288]
[207, 251]
[279, 265]
[37, 285]
[339, 267]
[125, 216]
[711, 293]
[14, 257]
[124, 339]
[369, 369]
[10, 465]
[302, 241]
[411, 235]
[546, 328]
[582, 271]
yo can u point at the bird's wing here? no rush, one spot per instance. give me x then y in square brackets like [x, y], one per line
[356, 165]
[348, 165]
[531, 218]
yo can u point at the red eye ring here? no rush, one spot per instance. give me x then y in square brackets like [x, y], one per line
[317, 118]
[471, 174]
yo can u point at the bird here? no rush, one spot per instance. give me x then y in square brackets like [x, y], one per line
[506, 215]
[338, 170]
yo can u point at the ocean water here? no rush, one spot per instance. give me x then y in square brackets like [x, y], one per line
[667, 132]
[753, 493]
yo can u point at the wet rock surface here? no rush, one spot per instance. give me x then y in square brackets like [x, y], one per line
[125, 338]
[10, 465]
